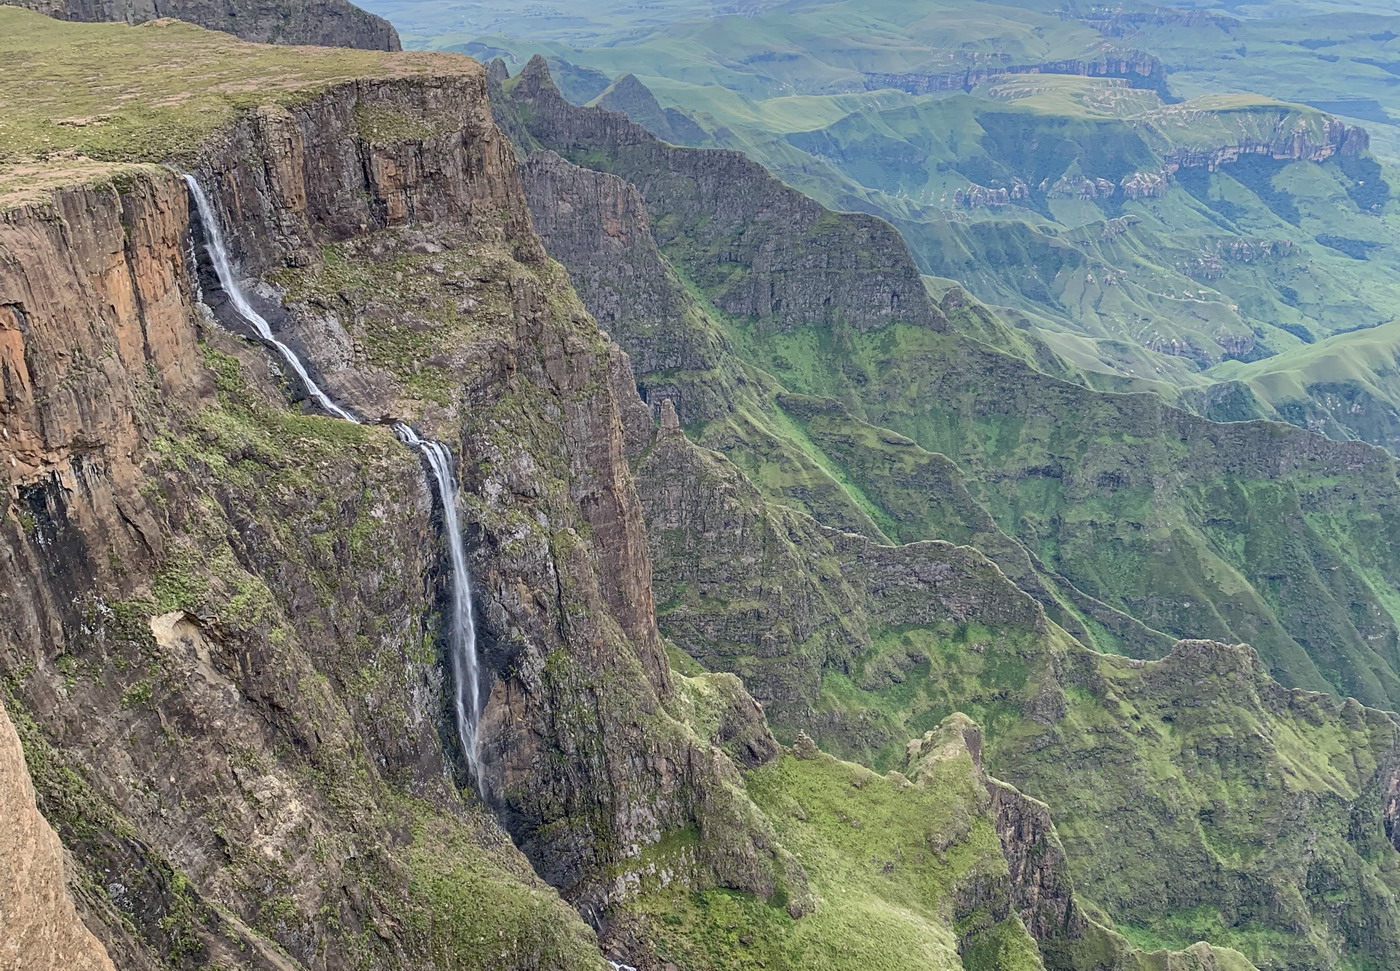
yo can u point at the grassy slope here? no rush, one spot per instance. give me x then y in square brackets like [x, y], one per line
[1184, 524]
[179, 84]
[1186, 282]
[886, 860]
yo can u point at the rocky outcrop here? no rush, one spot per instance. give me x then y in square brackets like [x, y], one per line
[1041, 889]
[732, 209]
[327, 23]
[975, 196]
[1217, 254]
[1079, 187]
[1038, 888]
[635, 100]
[1034, 890]
[42, 929]
[1144, 185]
[1140, 69]
[1287, 142]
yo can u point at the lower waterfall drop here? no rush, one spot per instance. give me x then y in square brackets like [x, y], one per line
[466, 673]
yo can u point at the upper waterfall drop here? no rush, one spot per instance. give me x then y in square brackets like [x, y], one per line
[466, 671]
[223, 269]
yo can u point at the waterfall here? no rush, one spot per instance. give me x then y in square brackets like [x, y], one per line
[466, 673]
[223, 269]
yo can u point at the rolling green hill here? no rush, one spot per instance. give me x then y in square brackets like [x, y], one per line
[1148, 242]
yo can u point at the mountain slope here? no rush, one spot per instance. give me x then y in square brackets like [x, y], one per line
[327, 23]
[1062, 470]
[250, 595]
[1157, 194]
[860, 644]
[229, 669]
[227, 666]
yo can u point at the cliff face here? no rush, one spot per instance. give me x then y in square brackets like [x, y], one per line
[1139, 68]
[326, 23]
[540, 432]
[597, 224]
[252, 593]
[1287, 142]
[179, 556]
[42, 929]
[732, 204]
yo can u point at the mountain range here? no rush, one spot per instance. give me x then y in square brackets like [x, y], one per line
[908, 522]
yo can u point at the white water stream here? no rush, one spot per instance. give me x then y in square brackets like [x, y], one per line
[466, 673]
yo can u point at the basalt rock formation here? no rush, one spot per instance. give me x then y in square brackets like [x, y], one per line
[792, 281]
[1138, 68]
[327, 23]
[1286, 143]
[250, 591]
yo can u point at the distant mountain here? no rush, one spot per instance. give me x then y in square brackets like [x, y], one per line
[1146, 221]
[327, 23]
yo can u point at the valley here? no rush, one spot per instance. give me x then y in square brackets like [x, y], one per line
[730, 486]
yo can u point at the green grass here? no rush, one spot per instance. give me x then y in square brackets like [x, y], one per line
[79, 94]
[884, 858]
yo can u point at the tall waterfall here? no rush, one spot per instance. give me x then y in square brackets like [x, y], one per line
[466, 673]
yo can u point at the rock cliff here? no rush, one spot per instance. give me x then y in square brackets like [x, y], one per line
[1276, 135]
[42, 929]
[733, 205]
[252, 592]
[1139, 68]
[328, 23]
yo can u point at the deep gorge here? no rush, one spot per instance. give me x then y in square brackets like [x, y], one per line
[733, 492]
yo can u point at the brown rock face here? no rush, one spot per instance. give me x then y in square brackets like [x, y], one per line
[1041, 890]
[718, 195]
[1286, 144]
[250, 594]
[42, 931]
[326, 23]
[597, 225]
